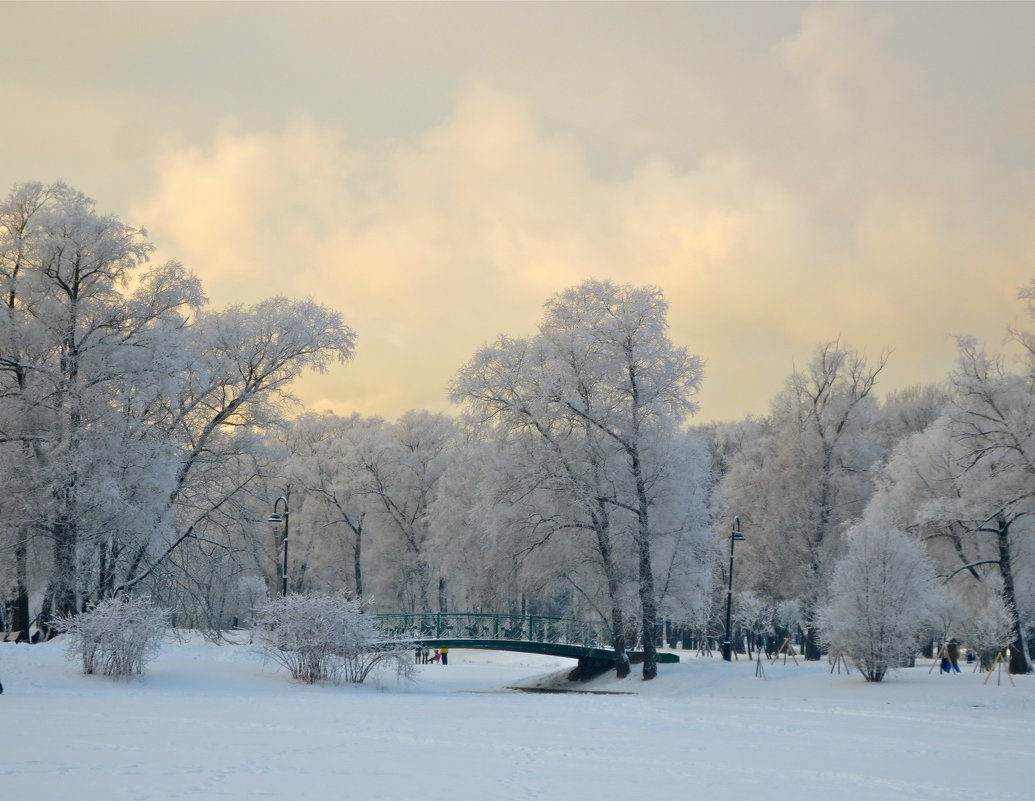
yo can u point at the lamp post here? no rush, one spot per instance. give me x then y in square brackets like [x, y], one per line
[276, 517]
[735, 537]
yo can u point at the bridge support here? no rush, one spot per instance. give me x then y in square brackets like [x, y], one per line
[590, 667]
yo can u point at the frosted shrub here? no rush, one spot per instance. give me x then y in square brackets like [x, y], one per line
[880, 598]
[326, 638]
[117, 637]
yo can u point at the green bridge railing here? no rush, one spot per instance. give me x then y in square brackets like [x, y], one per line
[485, 626]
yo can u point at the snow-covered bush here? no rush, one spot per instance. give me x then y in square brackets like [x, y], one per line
[117, 637]
[326, 638]
[880, 598]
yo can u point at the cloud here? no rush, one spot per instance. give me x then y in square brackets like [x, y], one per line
[433, 244]
[840, 57]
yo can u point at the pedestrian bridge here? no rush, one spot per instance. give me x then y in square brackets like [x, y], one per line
[532, 634]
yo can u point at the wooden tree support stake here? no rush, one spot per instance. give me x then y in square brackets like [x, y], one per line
[787, 650]
[998, 662]
[839, 662]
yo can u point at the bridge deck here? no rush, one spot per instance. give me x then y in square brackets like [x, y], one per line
[528, 647]
[532, 634]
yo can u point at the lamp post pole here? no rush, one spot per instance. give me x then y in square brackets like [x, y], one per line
[735, 537]
[276, 517]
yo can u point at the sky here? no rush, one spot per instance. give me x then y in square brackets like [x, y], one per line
[788, 174]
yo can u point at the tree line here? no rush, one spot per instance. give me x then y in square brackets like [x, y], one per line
[145, 436]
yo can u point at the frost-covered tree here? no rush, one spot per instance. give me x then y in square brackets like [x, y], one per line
[788, 617]
[554, 479]
[799, 481]
[331, 469]
[598, 392]
[989, 627]
[362, 490]
[122, 400]
[965, 485]
[244, 361]
[479, 518]
[908, 411]
[83, 364]
[753, 613]
[880, 599]
[685, 549]
[401, 475]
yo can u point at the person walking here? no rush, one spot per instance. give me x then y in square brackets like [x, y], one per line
[952, 651]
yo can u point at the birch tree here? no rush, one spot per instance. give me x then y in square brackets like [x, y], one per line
[965, 485]
[400, 475]
[798, 484]
[121, 397]
[330, 467]
[601, 388]
[82, 365]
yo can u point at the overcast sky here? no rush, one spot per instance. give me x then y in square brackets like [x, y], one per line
[787, 173]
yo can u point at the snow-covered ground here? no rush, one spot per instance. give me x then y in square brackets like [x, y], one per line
[211, 722]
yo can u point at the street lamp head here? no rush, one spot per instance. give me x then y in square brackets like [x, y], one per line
[738, 537]
[274, 518]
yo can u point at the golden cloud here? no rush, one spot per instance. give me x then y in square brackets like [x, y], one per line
[433, 245]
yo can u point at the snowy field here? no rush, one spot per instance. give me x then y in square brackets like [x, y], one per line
[211, 722]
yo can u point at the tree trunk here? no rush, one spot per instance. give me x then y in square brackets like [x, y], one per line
[811, 648]
[1019, 661]
[622, 666]
[20, 602]
[601, 527]
[106, 572]
[357, 569]
[648, 600]
[64, 582]
[648, 604]
[421, 573]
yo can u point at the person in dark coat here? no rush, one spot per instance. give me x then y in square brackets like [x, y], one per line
[952, 650]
